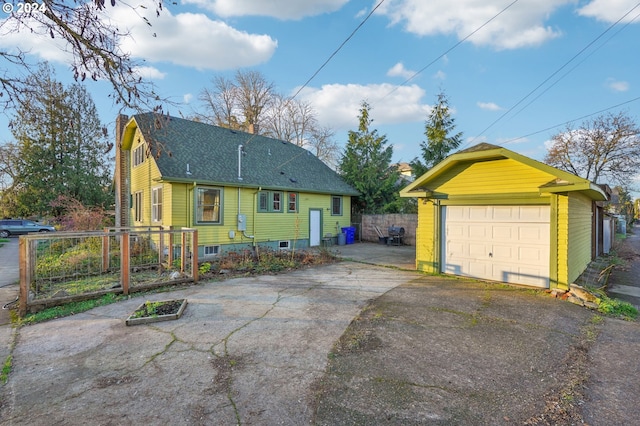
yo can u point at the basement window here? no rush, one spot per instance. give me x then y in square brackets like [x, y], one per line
[211, 250]
[284, 245]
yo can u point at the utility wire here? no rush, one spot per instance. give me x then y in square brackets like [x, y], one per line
[552, 75]
[338, 49]
[571, 121]
[576, 66]
[451, 48]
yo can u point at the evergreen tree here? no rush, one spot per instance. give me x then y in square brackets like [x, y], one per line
[366, 165]
[61, 148]
[439, 129]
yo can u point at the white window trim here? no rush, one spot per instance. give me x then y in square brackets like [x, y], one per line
[156, 208]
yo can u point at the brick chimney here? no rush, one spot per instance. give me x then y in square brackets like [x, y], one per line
[121, 175]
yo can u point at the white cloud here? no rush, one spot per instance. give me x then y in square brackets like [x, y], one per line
[338, 105]
[489, 106]
[280, 9]
[610, 10]
[187, 98]
[617, 86]
[192, 40]
[149, 73]
[187, 39]
[398, 70]
[519, 26]
[440, 75]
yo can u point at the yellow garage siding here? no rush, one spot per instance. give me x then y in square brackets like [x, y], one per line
[563, 240]
[579, 249]
[425, 241]
[490, 177]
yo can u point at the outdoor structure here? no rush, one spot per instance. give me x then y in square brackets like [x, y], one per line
[490, 213]
[236, 189]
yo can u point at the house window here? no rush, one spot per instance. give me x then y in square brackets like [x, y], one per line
[336, 205]
[211, 250]
[156, 204]
[139, 155]
[284, 245]
[270, 201]
[292, 202]
[208, 205]
[137, 206]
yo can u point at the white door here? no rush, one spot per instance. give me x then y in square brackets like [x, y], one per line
[315, 229]
[499, 243]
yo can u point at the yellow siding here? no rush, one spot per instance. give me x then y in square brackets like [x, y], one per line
[425, 238]
[143, 178]
[563, 240]
[574, 236]
[580, 229]
[490, 177]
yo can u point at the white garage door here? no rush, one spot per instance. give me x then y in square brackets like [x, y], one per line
[499, 243]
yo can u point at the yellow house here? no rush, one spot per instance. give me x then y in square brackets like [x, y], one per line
[489, 213]
[237, 189]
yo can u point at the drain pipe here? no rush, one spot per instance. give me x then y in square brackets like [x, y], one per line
[240, 162]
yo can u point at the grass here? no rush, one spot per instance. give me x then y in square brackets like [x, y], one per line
[70, 309]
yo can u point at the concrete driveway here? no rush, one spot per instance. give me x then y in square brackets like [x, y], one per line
[349, 343]
[246, 351]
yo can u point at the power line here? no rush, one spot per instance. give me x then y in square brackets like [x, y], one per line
[571, 121]
[338, 49]
[576, 66]
[451, 48]
[551, 76]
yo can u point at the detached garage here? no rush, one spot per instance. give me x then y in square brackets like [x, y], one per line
[492, 214]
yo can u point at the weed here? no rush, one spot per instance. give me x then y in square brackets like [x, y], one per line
[617, 308]
[6, 369]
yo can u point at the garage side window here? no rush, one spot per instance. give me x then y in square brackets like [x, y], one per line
[208, 205]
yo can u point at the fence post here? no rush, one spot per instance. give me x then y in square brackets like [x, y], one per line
[105, 251]
[25, 276]
[194, 258]
[124, 262]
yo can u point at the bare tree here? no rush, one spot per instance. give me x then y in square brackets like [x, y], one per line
[289, 120]
[94, 43]
[322, 144]
[221, 104]
[605, 149]
[238, 104]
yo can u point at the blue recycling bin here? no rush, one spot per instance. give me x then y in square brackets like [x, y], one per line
[350, 232]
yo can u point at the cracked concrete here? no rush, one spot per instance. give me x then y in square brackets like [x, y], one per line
[245, 352]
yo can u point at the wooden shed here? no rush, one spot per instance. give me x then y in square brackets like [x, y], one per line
[489, 213]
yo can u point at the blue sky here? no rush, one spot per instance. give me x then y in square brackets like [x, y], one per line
[486, 76]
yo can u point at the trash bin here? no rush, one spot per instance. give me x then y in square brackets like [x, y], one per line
[350, 232]
[342, 239]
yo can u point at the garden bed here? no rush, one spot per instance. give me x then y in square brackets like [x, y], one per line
[150, 312]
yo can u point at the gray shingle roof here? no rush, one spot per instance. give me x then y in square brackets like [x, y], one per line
[211, 155]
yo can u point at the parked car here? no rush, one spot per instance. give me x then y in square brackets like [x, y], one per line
[10, 227]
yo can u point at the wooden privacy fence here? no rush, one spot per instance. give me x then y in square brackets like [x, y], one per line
[62, 267]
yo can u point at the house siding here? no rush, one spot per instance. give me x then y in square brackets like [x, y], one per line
[143, 177]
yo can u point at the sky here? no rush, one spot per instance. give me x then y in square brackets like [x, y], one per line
[515, 72]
